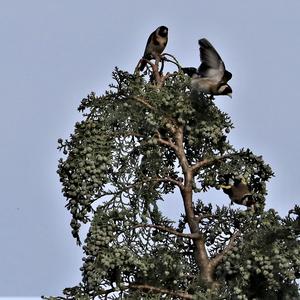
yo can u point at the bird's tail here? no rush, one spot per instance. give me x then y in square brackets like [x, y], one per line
[190, 71]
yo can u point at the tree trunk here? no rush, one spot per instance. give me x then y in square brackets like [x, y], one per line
[201, 256]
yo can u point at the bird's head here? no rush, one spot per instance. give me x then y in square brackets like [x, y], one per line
[162, 31]
[225, 90]
[226, 181]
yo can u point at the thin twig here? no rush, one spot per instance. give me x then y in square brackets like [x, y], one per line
[144, 102]
[174, 61]
[217, 259]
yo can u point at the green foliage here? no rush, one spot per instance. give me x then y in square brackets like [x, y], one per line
[265, 263]
[117, 250]
[117, 168]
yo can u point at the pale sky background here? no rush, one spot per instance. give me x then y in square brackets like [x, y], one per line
[53, 53]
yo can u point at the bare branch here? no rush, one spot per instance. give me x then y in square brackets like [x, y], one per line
[156, 72]
[173, 61]
[154, 289]
[217, 259]
[170, 230]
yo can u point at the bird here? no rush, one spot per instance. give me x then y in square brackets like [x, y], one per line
[211, 77]
[237, 189]
[156, 44]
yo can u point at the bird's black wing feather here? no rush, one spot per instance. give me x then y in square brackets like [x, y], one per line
[211, 62]
[147, 52]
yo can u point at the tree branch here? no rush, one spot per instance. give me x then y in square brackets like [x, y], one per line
[166, 142]
[154, 289]
[155, 71]
[144, 102]
[210, 161]
[217, 259]
[170, 230]
[201, 255]
[161, 179]
[147, 180]
[171, 180]
[182, 157]
[174, 61]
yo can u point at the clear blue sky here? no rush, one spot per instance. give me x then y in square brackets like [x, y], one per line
[53, 53]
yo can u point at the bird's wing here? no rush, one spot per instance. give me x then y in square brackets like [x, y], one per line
[211, 63]
[147, 53]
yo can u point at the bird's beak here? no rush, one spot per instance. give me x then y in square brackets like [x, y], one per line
[229, 95]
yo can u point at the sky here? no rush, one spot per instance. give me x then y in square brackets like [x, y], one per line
[53, 53]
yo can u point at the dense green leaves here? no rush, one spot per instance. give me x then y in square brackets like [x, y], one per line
[265, 263]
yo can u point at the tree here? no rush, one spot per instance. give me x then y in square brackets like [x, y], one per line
[144, 139]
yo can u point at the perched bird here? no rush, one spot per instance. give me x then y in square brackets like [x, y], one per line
[211, 77]
[237, 189]
[156, 44]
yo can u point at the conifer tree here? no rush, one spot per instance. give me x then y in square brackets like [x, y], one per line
[146, 138]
